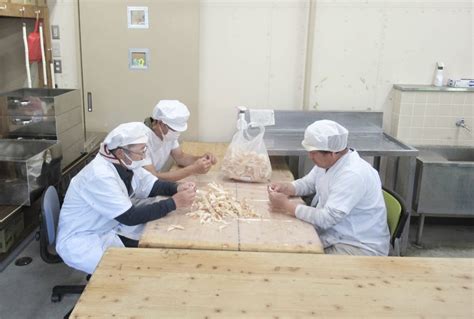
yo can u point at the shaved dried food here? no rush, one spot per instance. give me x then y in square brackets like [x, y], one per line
[218, 205]
[247, 166]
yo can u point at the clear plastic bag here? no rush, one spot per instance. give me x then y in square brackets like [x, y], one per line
[247, 158]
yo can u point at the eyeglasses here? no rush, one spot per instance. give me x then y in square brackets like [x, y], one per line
[141, 153]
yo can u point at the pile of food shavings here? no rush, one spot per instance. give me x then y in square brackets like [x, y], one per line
[217, 205]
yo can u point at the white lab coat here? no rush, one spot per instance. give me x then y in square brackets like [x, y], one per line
[86, 223]
[348, 206]
[158, 151]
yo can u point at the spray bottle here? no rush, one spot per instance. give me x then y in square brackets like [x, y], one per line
[438, 79]
[241, 122]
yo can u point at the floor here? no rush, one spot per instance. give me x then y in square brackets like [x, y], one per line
[26, 290]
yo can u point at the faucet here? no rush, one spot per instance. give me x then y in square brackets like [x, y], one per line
[462, 123]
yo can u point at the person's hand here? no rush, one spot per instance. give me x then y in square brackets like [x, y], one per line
[186, 185]
[211, 157]
[278, 202]
[201, 166]
[283, 188]
[185, 198]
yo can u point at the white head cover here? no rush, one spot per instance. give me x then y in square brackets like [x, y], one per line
[325, 135]
[173, 113]
[126, 134]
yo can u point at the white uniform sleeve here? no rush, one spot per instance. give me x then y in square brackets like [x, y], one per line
[142, 182]
[307, 184]
[344, 193]
[104, 195]
[322, 218]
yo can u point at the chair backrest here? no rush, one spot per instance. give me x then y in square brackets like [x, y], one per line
[396, 213]
[50, 208]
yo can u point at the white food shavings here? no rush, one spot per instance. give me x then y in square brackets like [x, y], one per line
[247, 166]
[173, 227]
[216, 204]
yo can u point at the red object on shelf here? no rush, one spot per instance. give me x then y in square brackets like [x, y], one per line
[34, 44]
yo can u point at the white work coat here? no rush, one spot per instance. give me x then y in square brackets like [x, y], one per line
[348, 206]
[158, 151]
[94, 198]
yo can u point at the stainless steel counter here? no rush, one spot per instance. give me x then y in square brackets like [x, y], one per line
[367, 144]
[429, 88]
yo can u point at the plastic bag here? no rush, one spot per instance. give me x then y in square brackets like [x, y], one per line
[247, 158]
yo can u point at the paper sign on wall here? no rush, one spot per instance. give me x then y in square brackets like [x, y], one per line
[137, 17]
[138, 58]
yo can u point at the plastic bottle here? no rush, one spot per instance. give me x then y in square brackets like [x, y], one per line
[438, 80]
[241, 122]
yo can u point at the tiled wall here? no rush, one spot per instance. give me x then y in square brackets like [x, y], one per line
[429, 118]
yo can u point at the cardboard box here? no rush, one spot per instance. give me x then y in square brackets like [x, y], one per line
[10, 231]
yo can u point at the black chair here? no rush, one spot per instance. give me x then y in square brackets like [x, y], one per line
[397, 216]
[50, 208]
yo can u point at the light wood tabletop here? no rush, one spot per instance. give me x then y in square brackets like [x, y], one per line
[270, 232]
[162, 283]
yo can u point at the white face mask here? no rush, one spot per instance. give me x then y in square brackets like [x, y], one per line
[134, 164]
[171, 136]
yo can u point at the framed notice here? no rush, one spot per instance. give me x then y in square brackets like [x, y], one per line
[138, 59]
[137, 17]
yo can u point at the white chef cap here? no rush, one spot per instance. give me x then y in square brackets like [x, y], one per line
[126, 134]
[173, 113]
[325, 135]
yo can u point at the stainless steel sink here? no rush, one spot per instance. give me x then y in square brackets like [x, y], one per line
[446, 154]
[444, 181]
[26, 168]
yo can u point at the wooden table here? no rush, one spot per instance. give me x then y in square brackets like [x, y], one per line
[271, 232]
[161, 283]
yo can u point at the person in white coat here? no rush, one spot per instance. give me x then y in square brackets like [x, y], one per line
[348, 210]
[99, 211]
[168, 121]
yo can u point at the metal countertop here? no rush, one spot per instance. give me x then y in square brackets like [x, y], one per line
[367, 144]
[430, 88]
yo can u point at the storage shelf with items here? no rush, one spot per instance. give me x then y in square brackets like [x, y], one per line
[21, 8]
[28, 11]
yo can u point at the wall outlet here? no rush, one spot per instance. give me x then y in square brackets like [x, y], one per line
[56, 49]
[57, 66]
[55, 32]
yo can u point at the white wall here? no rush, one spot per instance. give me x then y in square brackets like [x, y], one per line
[65, 14]
[364, 47]
[252, 54]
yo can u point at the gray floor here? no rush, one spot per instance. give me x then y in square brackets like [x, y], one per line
[443, 237]
[25, 291]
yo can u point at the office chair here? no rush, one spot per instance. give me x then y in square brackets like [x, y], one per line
[397, 216]
[50, 208]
